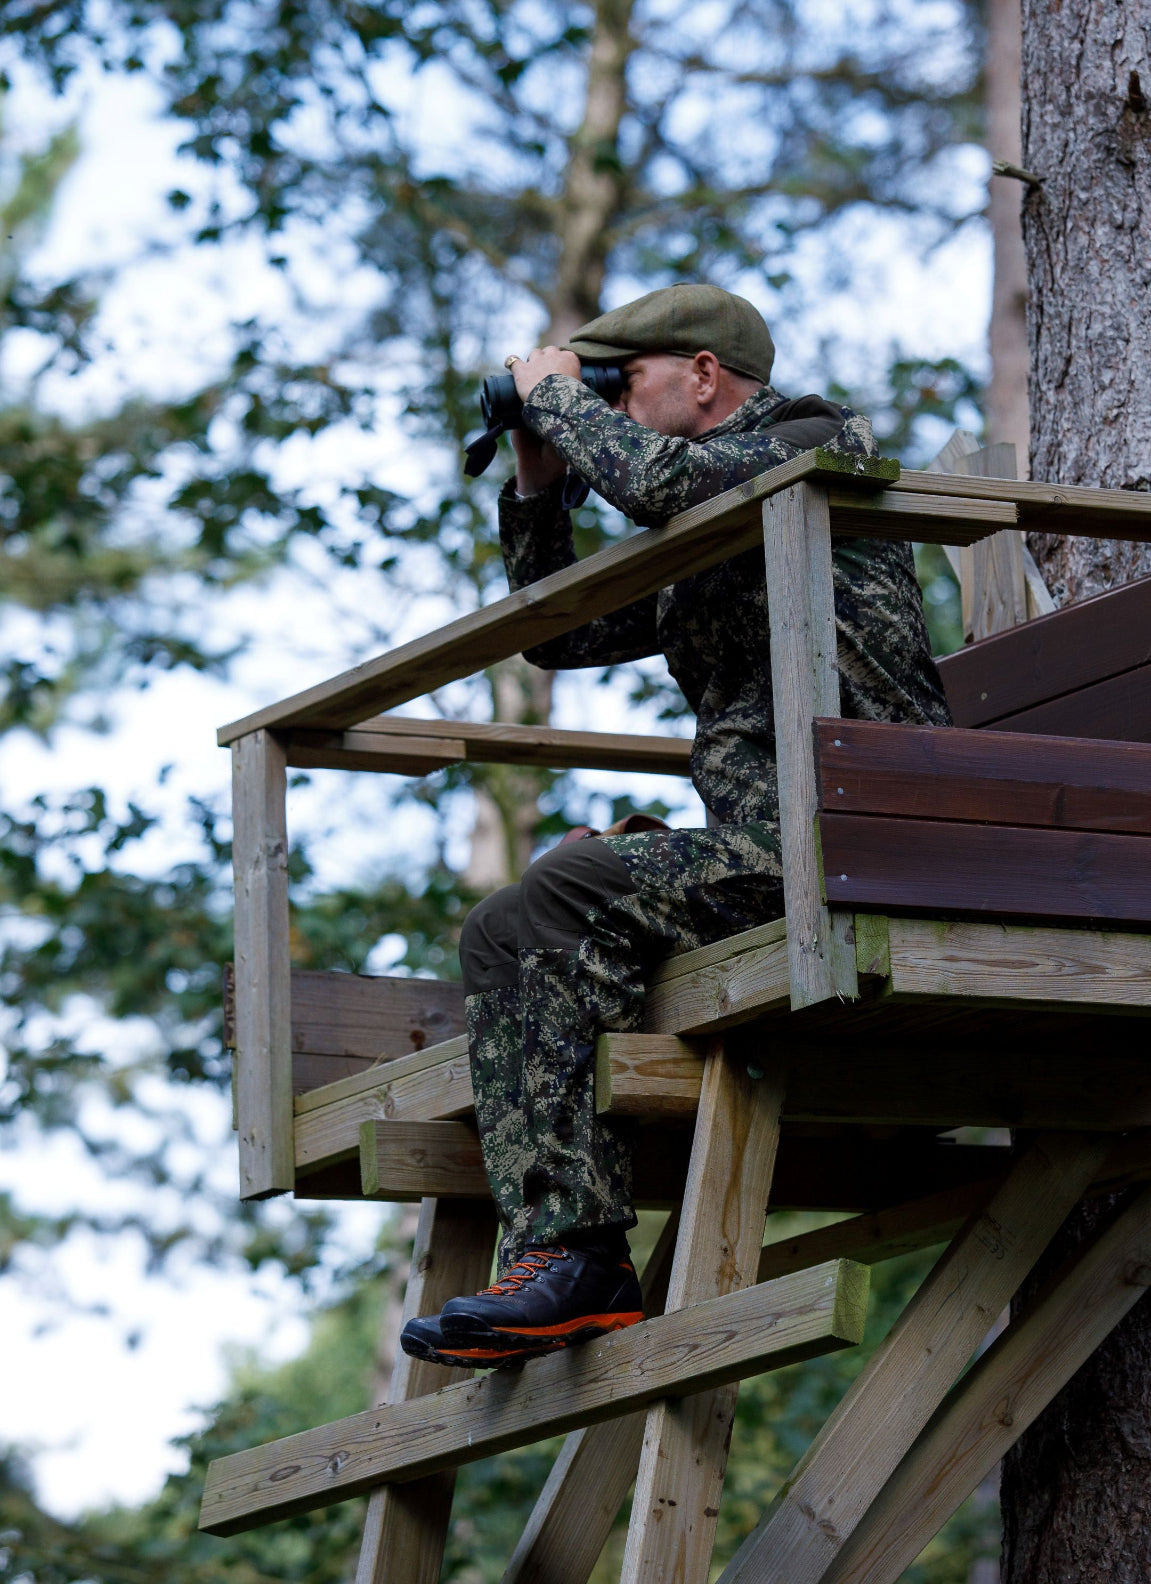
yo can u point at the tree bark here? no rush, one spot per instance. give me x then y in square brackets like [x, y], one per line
[1087, 230]
[1077, 1486]
[1007, 416]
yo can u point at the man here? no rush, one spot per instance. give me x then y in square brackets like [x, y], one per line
[552, 962]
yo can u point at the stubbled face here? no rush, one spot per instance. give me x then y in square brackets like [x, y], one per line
[660, 392]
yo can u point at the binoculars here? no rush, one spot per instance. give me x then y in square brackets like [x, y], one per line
[501, 409]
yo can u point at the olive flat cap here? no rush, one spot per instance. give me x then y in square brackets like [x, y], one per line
[686, 319]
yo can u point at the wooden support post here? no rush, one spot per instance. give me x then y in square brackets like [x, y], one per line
[593, 1473]
[993, 578]
[805, 683]
[685, 1447]
[406, 1525]
[1003, 1394]
[263, 1086]
[890, 1402]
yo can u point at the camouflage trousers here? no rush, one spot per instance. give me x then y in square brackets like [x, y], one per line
[551, 963]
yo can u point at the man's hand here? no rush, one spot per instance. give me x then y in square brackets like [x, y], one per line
[527, 372]
[537, 463]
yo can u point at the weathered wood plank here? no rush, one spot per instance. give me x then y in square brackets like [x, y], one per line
[414, 1160]
[817, 1169]
[1019, 963]
[930, 519]
[685, 1445]
[401, 746]
[626, 571]
[1002, 1395]
[433, 1091]
[1028, 1084]
[372, 1077]
[594, 1471]
[805, 683]
[944, 773]
[1039, 662]
[874, 861]
[263, 1082]
[887, 1406]
[993, 576]
[406, 1525]
[1048, 508]
[744, 1333]
[372, 1015]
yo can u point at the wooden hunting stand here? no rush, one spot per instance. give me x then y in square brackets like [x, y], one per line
[965, 943]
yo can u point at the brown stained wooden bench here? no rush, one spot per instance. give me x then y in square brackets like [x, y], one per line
[811, 1063]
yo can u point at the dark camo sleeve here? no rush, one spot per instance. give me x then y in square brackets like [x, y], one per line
[647, 476]
[536, 538]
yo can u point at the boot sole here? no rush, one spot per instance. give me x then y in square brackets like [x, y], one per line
[469, 1357]
[463, 1330]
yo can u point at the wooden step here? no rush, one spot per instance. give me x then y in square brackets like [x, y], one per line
[744, 1333]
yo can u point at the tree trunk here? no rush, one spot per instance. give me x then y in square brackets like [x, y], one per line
[1077, 1486]
[1087, 228]
[1007, 417]
[594, 188]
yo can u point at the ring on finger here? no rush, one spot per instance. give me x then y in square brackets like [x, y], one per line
[512, 357]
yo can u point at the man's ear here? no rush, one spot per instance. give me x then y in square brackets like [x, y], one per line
[707, 371]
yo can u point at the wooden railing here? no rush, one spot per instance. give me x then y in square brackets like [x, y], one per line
[799, 509]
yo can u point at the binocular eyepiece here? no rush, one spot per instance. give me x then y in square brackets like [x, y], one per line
[501, 408]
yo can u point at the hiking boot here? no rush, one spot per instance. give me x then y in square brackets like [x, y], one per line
[553, 1295]
[423, 1339]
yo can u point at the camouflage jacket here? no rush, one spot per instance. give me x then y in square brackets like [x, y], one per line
[713, 627]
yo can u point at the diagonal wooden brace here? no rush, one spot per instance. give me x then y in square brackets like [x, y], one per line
[1002, 1395]
[889, 1403]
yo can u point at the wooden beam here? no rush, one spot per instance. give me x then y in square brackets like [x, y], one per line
[406, 1525]
[263, 1083]
[993, 575]
[1048, 508]
[431, 1090]
[881, 1234]
[745, 1333]
[1037, 664]
[413, 1160]
[1002, 1395]
[805, 683]
[873, 861]
[887, 1406]
[719, 986]
[691, 542]
[832, 1079]
[1009, 963]
[398, 745]
[593, 1473]
[818, 1169]
[930, 519]
[685, 1445]
[944, 773]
